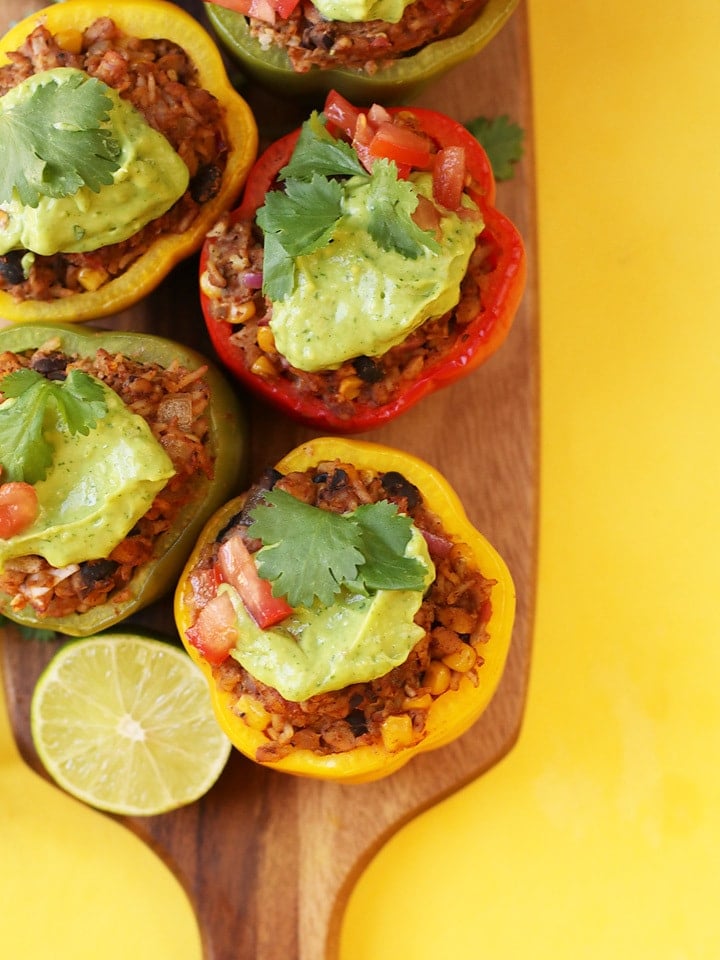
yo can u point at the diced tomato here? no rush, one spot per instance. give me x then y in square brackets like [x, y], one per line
[238, 569]
[204, 582]
[449, 172]
[18, 507]
[214, 633]
[283, 8]
[361, 141]
[395, 142]
[341, 115]
[377, 114]
[426, 214]
[267, 10]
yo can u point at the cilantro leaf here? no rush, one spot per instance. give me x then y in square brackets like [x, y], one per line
[54, 142]
[385, 536]
[501, 140]
[390, 204]
[278, 269]
[296, 221]
[78, 403]
[304, 215]
[318, 152]
[309, 553]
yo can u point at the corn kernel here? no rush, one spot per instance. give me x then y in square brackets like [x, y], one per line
[423, 702]
[70, 40]
[462, 659]
[263, 367]
[437, 678]
[242, 312]
[209, 289]
[252, 713]
[396, 732]
[457, 619]
[350, 387]
[92, 278]
[266, 340]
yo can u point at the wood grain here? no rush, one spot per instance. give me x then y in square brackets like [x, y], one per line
[269, 860]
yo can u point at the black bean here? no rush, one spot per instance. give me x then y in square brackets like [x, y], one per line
[49, 363]
[206, 183]
[11, 269]
[396, 486]
[368, 369]
[95, 572]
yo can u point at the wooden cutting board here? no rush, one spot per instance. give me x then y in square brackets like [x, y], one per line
[269, 860]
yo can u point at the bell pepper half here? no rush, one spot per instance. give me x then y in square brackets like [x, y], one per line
[226, 443]
[452, 712]
[401, 81]
[145, 19]
[501, 287]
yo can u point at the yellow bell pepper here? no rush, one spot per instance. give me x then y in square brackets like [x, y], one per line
[450, 713]
[145, 19]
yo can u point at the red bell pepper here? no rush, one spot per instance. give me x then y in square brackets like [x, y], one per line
[455, 152]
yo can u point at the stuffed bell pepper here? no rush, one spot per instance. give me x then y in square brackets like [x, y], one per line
[366, 267]
[123, 141]
[115, 448]
[368, 50]
[346, 613]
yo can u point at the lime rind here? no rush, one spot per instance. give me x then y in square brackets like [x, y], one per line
[124, 723]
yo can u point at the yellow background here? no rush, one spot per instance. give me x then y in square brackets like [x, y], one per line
[599, 835]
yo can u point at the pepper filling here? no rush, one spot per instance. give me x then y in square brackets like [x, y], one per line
[311, 40]
[158, 78]
[173, 402]
[392, 709]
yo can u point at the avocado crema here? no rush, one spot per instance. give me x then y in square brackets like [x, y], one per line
[351, 298]
[151, 176]
[351, 11]
[354, 640]
[96, 489]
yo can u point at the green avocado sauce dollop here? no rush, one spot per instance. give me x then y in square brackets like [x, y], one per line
[360, 10]
[150, 177]
[352, 298]
[354, 640]
[95, 491]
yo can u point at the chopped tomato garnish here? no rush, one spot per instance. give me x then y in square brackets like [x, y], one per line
[214, 633]
[267, 10]
[426, 214]
[238, 569]
[342, 116]
[204, 581]
[18, 507]
[396, 142]
[449, 172]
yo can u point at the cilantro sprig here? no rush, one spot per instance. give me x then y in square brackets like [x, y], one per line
[502, 140]
[78, 403]
[54, 141]
[303, 216]
[310, 554]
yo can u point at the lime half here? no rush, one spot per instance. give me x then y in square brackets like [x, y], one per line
[124, 723]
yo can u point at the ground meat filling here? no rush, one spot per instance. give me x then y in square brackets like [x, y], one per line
[454, 615]
[160, 80]
[174, 402]
[312, 41]
[230, 282]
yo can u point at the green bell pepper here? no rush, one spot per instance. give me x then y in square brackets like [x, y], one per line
[226, 445]
[401, 81]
